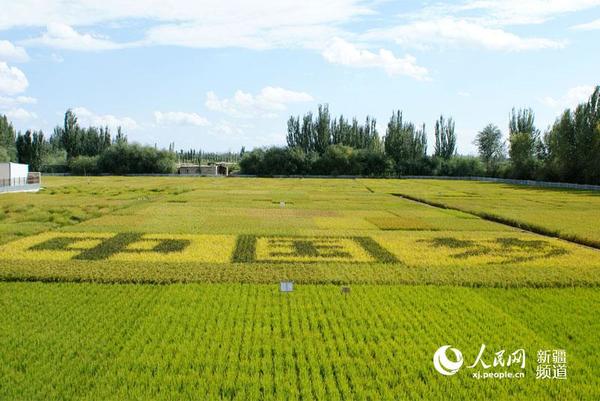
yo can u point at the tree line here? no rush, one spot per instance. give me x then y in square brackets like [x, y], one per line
[318, 143]
[79, 150]
[324, 145]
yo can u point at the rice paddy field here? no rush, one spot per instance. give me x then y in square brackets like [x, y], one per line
[162, 288]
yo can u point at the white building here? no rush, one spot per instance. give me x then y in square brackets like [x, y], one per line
[13, 174]
[15, 177]
[211, 170]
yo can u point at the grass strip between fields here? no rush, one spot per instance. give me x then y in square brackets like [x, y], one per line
[507, 221]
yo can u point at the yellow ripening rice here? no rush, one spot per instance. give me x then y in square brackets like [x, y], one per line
[62, 246]
[201, 248]
[310, 249]
[456, 248]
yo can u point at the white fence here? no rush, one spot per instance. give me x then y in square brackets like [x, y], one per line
[20, 188]
[531, 183]
[31, 183]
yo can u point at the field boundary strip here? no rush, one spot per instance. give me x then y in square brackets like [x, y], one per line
[511, 181]
[506, 221]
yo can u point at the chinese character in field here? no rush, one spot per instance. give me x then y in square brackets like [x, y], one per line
[309, 247]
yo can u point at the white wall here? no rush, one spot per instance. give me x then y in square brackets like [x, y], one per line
[18, 170]
[4, 169]
[13, 173]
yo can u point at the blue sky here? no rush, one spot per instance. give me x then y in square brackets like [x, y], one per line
[218, 75]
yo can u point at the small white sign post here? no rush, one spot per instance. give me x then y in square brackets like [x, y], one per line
[286, 286]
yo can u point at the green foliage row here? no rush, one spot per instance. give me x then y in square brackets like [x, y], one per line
[82, 151]
[568, 151]
[336, 160]
[573, 144]
[316, 134]
[8, 136]
[405, 145]
[30, 149]
[320, 144]
[344, 160]
[77, 141]
[125, 158]
[445, 138]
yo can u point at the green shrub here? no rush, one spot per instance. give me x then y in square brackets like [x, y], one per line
[84, 165]
[124, 158]
[460, 166]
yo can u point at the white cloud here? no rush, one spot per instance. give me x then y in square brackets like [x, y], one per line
[86, 117]
[12, 80]
[226, 128]
[276, 98]
[243, 35]
[341, 52]
[505, 12]
[10, 52]
[258, 24]
[14, 101]
[589, 26]
[57, 58]
[454, 32]
[26, 100]
[194, 23]
[571, 99]
[62, 36]
[20, 114]
[206, 36]
[264, 104]
[529, 11]
[258, 12]
[180, 118]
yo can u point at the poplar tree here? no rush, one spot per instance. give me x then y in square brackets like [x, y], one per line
[524, 143]
[405, 144]
[490, 146]
[7, 139]
[445, 138]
